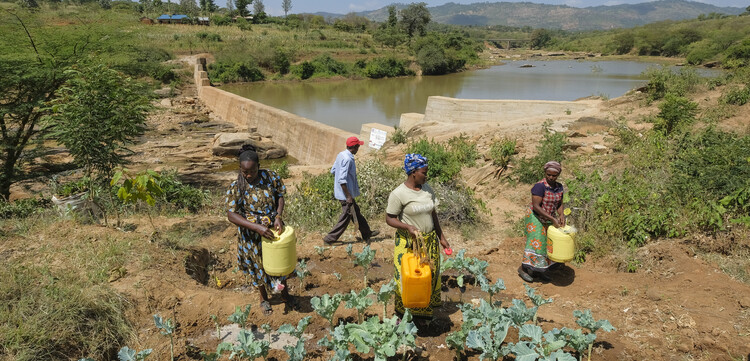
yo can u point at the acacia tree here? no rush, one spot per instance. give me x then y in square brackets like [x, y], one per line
[31, 74]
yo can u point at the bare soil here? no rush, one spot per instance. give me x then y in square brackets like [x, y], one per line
[676, 307]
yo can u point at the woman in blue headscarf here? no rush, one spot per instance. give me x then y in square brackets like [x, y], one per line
[411, 210]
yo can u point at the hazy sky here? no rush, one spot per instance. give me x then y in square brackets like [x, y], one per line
[273, 7]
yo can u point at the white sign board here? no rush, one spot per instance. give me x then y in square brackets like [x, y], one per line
[377, 138]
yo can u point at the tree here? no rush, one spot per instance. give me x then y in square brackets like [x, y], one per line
[30, 77]
[208, 6]
[96, 115]
[415, 18]
[287, 6]
[624, 42]
[259, 7]
[189, 7]
[105, 4]
[540, 38]
[242, 7]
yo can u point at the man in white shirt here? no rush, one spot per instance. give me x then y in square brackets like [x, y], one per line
[345, 189]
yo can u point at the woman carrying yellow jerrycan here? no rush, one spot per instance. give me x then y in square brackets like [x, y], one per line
[411, 210]
[545, 217]
[255, 204]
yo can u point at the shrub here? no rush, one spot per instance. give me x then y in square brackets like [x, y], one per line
[281, 168]
[501, 152]
[530, 170]
[281, 61]
[386, 67]
[235, 72]
[675, 112]
[663, 80]
[445, 162]
[457, 204]
[736, 96]
[306, 70]
[399, 135]
[208, 36]
[737, 55]
[326, 65]
[23, 208]
[179, 195]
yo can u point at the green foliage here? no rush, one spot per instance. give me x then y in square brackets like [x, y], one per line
[502, 151]
[386, 67]
[540, 38]
[624, 42]
[235, 72]
[674, 113]
[239, 316]
[364, 259]
[96, 115]
[326, 306]
[22, 208]
[359, 301]
[531, 170]
[281, 169]
[296, 352]
[663, 80]
[414, 19]
[383, 337]
[444, 53]
[399, 135]
[247, 347]
[737, 55]
[301, 272]
[387, 290]
[179, 195]
[143, 187]
[736, 96]
[166, 328]
[128, 354]
[208, 36]
[445, 161]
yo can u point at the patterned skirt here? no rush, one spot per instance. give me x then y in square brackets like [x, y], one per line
[535, 252]
[250, 257]
[404, 245]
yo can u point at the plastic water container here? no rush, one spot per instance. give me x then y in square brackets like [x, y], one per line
[416, 282]
[280, 254]
[561, 246]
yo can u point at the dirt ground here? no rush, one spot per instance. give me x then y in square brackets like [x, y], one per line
[677, 307]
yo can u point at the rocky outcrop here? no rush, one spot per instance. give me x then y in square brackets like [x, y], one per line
[228, 145]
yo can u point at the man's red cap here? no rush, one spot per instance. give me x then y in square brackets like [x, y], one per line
[352, 141]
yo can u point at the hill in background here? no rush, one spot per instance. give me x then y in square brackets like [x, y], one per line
[563, 16]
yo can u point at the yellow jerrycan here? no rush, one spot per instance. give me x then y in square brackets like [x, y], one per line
[560, 244]
[280, 254]
[416, 276]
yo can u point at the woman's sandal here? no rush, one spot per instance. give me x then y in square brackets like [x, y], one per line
[266, 308]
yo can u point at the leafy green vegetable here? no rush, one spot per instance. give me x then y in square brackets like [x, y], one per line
[536, 299]
[167, 329]
[491, 289]
[239, 316]
[364, 259]
[360, 301]
[301, 271]
[384, 295]
[128, 354]
[326, 306]
[247, 347]
[296, 352]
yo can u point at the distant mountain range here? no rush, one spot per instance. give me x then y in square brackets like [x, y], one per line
[561, 16]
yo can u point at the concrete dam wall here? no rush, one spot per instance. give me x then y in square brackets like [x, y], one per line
[308, 141]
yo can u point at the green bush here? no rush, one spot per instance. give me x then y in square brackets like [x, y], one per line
[736, 96]
[179, 195]
[281, 61]
[208, 36]
[306, 70]
[445, 161]
[327, 66]
[502, 151]
[23, 208]
[386, 67]
[235, 72]
[281, 168]
[531, 170]
[399, 135]
[675, 112]
[663, 80]
[738, 55]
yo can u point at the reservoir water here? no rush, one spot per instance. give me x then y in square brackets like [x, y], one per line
[347, 104]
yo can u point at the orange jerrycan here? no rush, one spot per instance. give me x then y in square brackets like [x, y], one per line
[416, 282]
[280, 254]
[416, 276]
[560, 244]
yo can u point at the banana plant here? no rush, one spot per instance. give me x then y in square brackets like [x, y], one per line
[364, 259]
[167, 329]
[359, 301]
[326, 306]
[296, 352]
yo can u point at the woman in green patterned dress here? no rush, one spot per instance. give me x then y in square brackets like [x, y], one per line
[255, 203]
[546, 209]
[411, 210]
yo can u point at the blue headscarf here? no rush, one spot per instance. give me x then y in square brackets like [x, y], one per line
[414, 161]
